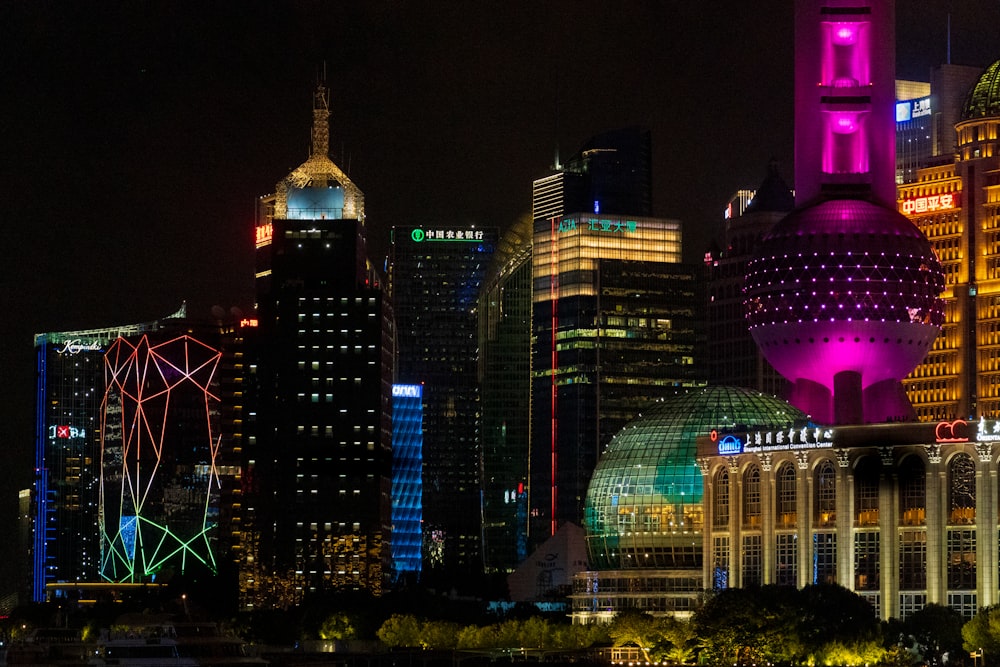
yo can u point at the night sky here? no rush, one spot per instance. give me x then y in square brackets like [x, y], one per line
[135, 137]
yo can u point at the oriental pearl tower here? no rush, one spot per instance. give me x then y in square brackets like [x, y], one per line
[842, 296]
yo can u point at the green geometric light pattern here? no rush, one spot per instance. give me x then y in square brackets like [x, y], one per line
[644, 502]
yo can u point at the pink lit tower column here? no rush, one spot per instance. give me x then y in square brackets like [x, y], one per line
[842, 295]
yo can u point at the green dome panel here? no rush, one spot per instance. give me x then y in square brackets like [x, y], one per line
[983, 100]
[644, 502]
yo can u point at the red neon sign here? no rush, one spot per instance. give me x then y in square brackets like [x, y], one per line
[956, 431]
[264, 234]
[62, 431]
[930, 203]
[249, 322]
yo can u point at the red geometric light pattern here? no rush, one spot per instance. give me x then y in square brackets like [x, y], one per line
[159, 484]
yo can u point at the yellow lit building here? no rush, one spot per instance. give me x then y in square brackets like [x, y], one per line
[957, 206]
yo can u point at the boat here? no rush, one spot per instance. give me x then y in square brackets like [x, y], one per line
[148, 646]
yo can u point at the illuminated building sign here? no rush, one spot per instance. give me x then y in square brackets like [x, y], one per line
[466, 235]
[956, 431]
[407, 390]
[66, 432]
[76, 346]
[811, 437]
[730, 445]
[910, 109]
[603, 225]
[249, 322]
[930, 203]
[264, 234]
[988, 431]
[793, 438]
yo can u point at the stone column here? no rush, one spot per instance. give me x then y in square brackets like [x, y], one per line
[708, 525]
[768, 512]
[845, 521]
[735, 523]
[986, 522]
[804, 494]
[936, 521]
[888, 521]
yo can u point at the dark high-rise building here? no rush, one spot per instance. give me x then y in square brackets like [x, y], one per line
[436, 276]
[616, 322]
[65, 543]
[736, 360]
[505, 382]
[610, 174]
[317, 511]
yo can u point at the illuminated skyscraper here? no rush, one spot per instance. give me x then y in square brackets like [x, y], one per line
[407, 482]
[436, 275]
[64, 501]
[317, 515]
[955, 204]
[616, 321]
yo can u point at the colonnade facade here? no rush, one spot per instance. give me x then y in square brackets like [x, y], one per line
[903, 524]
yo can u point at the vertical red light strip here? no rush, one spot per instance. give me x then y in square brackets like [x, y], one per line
[554, 298]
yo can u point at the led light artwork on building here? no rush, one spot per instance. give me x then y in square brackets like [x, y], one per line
[407, 485]
[159, 497]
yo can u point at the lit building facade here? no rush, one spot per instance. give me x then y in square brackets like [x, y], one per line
[616, 321]
[645, 512]
[161, 458]
[436, 276]
[914, 135]
[65, 544]
[316, 512]
[505, 381]
[904, 515]
[957, 205]
[407, 482]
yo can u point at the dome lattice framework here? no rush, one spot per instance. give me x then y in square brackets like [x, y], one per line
[644, 502]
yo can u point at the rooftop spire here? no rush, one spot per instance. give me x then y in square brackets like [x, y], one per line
[321, 122]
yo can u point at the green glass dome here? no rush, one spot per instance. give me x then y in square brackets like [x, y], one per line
[644, 503]
[983, 100]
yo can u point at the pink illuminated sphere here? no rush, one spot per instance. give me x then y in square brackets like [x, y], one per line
[844, 285]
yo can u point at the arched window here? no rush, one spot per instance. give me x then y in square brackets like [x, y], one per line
[786, 495]
[751, 497]
[962, 490]
[720, 495]
[826, 495]
[912, 492]
[866, 483]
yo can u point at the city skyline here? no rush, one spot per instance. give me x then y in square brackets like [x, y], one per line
[138, 147]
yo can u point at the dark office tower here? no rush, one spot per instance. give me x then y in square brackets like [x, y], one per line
[617, 322]
[610, 174]
[736, 360]
[436, 274]
[317, 514]
[70, 387]
[505, 384]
